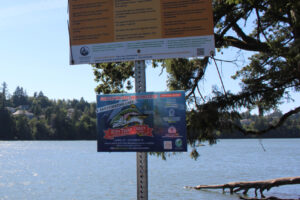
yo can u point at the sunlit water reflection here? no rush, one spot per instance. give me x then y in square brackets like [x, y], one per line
[73, 170]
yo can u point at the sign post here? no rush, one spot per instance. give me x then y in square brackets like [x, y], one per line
[104, 31]
[142, 175]
[141, 157]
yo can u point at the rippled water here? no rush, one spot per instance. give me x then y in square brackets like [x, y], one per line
[73, 170]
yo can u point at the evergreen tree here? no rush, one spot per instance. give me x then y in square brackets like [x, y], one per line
[3, 95]
[19, 97]
[270, 30]
[23, 130]
[7, 125]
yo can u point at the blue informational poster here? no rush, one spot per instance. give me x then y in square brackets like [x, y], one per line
[143, 122]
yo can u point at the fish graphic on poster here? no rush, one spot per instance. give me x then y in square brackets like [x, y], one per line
[129, 116]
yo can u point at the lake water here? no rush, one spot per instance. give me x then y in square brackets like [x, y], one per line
[73, 170]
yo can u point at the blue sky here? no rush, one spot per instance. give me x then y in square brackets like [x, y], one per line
[35, 52]
[35, 55]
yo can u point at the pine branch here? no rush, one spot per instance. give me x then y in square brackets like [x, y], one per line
[240, 44]
[198, 78]
[271, 127]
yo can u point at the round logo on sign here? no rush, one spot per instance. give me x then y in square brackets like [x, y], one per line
[178, 143]
[84, 51]
[171, 112]
[172, 130]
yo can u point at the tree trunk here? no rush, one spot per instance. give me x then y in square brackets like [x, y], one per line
[266, 198]
[257, 185]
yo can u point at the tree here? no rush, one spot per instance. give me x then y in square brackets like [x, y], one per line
[3, 95]
[113, 77]
[23, 130]
[19, 97]
[62, 125]
[43, 100]
[40, 129]
[7, 125]
[270, 30]
[86, 128]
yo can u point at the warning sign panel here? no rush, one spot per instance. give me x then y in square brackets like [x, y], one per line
[118, 30]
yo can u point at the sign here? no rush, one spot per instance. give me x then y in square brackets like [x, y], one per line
[143, 122]
[117, 30]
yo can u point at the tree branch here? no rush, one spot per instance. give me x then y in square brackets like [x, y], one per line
[198, 78]
[259, 26]
[244, 37]
[271, 127]
[200, 94]
[232, 41]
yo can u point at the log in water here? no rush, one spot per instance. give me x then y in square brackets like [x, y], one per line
[245, 186]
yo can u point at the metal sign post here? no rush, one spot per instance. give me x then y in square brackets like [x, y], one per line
[141, 157]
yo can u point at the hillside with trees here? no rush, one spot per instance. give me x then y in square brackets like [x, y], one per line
[289, 129]
[36, 117]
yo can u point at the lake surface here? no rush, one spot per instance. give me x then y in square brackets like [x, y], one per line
[73, 170]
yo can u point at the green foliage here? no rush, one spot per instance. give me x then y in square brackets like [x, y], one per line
[114, 77]
[7, 125]
[50, 119]
[290, 129]
[269, 29]
[19, 97]
[76, 120]
[23, 130]
[184, 73]
[3, 95]
[86, 127]
[40, 129]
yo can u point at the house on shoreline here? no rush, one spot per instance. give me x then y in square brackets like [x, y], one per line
[29, 115]
[20, 110]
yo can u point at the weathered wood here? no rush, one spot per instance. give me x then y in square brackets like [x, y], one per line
[266, 198]
[245, 186]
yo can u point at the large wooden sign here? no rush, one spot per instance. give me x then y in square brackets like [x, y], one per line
[118, 30]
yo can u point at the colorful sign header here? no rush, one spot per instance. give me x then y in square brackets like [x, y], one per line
[143, 122]
[113, 30]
